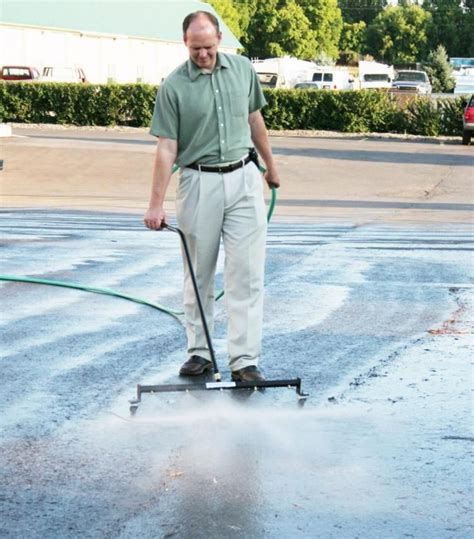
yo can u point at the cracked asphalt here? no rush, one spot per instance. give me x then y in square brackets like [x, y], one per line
[368, 298]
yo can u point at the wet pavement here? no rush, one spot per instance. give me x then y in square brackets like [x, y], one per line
[368, 299]
[375, 317]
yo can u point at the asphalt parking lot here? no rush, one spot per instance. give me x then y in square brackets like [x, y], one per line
[368, 299]
[332, 176]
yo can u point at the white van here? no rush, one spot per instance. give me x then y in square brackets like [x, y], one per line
[331, 78]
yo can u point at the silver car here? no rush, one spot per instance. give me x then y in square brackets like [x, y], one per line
[412, 81]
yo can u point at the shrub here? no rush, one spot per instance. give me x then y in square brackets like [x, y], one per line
[421, 117]
[360, 111]
[451, 112]
[132, 105]
[78, 104]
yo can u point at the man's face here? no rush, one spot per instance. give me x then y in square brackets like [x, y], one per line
[202, 42]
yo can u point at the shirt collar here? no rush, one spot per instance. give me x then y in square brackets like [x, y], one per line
[194, 71]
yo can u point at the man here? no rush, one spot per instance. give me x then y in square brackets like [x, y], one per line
[207, 117]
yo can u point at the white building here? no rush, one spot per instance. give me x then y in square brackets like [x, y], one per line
[112, 40]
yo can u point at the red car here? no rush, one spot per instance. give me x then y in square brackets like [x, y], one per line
[468, 121]
[19, 73]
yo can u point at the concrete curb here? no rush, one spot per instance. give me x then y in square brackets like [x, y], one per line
[284, 133]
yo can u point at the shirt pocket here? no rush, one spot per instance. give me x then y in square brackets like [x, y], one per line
[239, 104]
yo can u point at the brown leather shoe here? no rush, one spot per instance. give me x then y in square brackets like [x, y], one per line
[248, 374]
[195, 366]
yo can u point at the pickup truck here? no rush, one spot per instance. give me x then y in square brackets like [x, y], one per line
[412, 81]
[19, 73]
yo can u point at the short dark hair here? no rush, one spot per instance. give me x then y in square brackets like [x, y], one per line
[192, 16]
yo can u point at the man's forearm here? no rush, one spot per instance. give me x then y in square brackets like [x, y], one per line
[162, 170]
[259, 136]
[262, 144]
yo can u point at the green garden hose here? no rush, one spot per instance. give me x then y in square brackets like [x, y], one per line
[108, 292]
[105, 291]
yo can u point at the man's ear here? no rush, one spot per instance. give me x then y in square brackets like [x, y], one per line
[219, 36]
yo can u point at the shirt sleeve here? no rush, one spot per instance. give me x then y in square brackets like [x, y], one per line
[165, 121]
[256, 97]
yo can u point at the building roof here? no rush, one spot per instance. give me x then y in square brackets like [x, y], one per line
[148, 19]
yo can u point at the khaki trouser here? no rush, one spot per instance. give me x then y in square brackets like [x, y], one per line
[210, 206]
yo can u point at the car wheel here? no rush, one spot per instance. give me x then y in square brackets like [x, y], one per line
[466, 137]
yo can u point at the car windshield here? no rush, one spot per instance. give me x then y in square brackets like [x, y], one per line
[16, 71]
[411, 76]
[23, 72]
[376, 77]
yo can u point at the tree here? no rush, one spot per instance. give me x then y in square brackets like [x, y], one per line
[246, 10]
[452, 26]
[229, 14]
[304, 28]
[361, 10]
[325, 19]
[399, 34]
[279, 28]
[352, 41]
[466, 33]
[292, 34]
[439, 70]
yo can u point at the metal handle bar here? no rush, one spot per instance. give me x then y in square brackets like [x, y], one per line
[217, 375]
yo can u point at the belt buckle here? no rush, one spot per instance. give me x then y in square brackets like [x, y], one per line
[227, 168]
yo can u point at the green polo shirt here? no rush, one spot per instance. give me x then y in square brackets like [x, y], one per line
[208, 113]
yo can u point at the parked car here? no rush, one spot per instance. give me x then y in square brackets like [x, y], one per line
[63, 74]
[307, 86]
[412, 81]
[19, 73]
[328, 79]
[468, 121]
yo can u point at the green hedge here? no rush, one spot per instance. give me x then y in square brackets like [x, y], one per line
[69, 103]
[363, 111]
[132, 105]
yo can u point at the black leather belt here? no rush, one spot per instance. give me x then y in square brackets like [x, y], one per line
[224, 168]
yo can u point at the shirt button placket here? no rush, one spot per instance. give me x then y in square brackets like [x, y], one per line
[220, 117]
